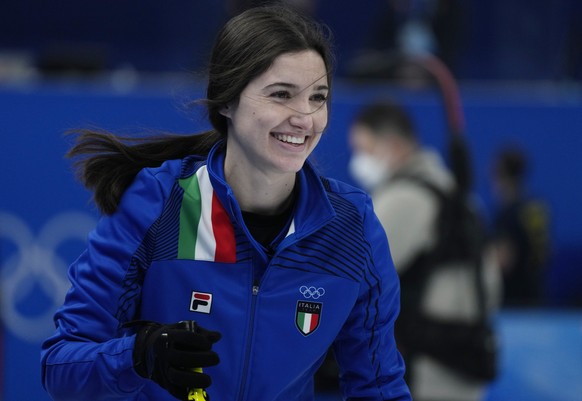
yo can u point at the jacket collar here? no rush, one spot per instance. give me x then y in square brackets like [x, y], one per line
[312, 211]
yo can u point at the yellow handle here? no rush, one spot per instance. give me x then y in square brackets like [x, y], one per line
[197, 394]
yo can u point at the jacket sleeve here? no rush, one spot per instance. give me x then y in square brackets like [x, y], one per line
[371, 367]
[90, 354]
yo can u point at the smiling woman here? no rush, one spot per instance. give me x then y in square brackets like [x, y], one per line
[208, 242]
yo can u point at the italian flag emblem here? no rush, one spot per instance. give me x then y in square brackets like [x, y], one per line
[206, 232]
[307, 316]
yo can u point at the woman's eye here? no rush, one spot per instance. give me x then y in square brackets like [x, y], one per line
[319, 97]
[281, 95]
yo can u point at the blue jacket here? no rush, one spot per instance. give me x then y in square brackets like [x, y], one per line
[177, 249]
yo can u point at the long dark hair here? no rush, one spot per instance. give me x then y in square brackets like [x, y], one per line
[245, 48]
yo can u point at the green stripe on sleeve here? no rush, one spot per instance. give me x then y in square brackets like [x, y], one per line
[189, 217]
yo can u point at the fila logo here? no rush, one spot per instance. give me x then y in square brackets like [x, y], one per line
[200, 302]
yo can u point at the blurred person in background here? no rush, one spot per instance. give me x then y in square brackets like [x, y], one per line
[411, 28]
[520, 232]
[227, 250]
[408, 183]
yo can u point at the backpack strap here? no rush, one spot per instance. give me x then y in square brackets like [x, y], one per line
[460, 237]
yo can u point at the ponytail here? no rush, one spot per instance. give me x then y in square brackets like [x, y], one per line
[107, 164]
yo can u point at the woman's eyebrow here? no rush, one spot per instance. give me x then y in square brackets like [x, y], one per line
[281, 84]
[293, 86]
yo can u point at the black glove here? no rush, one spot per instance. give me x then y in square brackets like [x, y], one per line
[168, 354]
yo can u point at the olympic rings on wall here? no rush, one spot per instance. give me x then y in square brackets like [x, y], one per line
[35, 270]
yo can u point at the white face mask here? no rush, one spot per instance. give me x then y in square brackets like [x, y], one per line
[367, 170]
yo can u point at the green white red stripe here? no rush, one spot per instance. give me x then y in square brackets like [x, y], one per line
[206, 232]
[307, 322]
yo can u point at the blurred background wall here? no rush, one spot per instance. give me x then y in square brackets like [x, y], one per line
[134, 66]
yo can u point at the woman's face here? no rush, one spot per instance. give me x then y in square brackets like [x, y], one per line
[280, 116]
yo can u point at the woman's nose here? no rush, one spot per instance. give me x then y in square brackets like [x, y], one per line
[301, 105]
[301, 119]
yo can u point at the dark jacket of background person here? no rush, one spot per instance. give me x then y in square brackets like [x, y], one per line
[408, 212]
[521, 231]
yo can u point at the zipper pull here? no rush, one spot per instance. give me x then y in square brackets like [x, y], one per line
[255, 288]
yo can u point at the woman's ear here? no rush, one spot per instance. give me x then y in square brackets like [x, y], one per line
[225, 111]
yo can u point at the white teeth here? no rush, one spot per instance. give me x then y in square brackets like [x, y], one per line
[291, 139]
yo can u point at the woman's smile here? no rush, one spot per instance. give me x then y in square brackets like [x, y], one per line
[290, 139]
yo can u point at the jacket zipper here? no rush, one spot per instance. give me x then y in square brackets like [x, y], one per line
[255, 293]
[244, 378]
